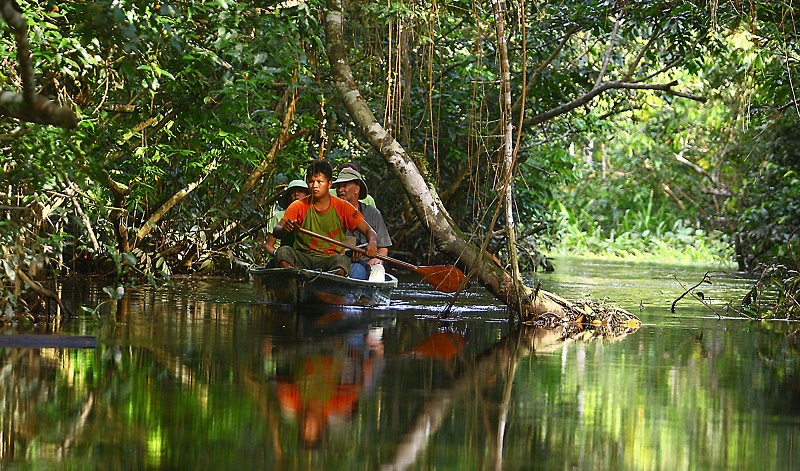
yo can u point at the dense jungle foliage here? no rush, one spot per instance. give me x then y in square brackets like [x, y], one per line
[643, 123]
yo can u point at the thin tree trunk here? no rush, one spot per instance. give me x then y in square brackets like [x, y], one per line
[70, 190]
[284, 136]
[518, 106]
[508, 146]
[509, 157]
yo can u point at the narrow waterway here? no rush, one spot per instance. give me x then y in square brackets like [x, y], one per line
[200, 376]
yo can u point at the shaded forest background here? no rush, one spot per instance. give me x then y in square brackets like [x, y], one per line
[637, 117]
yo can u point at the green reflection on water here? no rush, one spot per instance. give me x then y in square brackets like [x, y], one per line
[203, 378]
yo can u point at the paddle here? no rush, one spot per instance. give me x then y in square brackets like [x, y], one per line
[445, 278]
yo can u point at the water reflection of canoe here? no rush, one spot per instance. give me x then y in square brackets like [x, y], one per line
[296, 287]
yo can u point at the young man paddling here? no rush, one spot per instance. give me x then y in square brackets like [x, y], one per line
[324, 214]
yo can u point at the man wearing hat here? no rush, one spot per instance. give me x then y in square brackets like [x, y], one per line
[368, 200]
[296, 190]
[321, 214]
[350, 187]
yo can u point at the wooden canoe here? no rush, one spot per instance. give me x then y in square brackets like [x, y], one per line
[297, 287]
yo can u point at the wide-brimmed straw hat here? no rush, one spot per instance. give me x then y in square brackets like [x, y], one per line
[349, 175]
[284, 198]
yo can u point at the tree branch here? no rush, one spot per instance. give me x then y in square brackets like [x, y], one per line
[538, 71]
[283, 137]
[610, 48]
[36, 286]
[70, 191]
[635, 62]
[39, 110]
[595, 92]
[28, 106]
[793, 103]
[172, 201]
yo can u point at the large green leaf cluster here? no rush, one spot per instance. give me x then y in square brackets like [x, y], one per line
[768, 204]
[712, 165]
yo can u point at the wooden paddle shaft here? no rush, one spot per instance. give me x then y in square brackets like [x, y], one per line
[358, 249]
[445, 278]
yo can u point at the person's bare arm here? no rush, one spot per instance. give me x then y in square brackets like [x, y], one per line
[372, 238]
[270, 245]
[285, 226]
[381, 251]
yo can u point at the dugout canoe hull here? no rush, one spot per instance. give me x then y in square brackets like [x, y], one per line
[298, 287]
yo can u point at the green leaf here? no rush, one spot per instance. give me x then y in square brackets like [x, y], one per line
[130, 259]
[115, 293]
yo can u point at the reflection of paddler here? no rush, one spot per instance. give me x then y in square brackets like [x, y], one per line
[322, 390]
[440, 346]
[317, 396]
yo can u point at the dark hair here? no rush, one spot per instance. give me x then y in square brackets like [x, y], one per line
[317, 167]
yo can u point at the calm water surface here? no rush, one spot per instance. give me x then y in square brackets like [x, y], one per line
[203, 377]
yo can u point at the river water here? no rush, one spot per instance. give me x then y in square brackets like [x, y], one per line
[200, 376]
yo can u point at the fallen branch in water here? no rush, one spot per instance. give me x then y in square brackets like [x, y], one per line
[697, 295]
[587, 312]
[776, 295]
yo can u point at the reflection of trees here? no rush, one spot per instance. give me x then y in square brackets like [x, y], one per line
[121, 405]
[671, 399]
[26, 394]
[186, 384]
[182, 385]
[497, 363]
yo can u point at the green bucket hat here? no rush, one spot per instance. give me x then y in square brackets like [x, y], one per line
[283, 200]
[349, 175]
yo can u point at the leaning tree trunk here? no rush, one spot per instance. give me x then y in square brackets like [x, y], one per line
[425, 201]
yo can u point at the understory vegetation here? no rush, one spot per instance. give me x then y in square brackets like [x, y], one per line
[649, 130]
[641, 239]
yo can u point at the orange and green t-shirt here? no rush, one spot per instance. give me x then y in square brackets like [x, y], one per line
[334, 223]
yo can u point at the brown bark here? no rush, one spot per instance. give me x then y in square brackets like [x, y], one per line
[117, 213]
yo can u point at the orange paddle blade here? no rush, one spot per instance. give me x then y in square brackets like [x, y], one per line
[445, 278]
